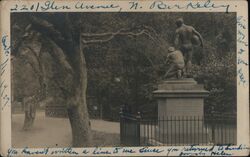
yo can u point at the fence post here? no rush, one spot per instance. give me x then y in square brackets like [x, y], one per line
[138, 133]
[121, 125]
[213, 131]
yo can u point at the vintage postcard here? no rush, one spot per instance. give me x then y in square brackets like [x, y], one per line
[124, 78]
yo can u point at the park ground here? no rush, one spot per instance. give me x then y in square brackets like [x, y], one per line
[56, 132]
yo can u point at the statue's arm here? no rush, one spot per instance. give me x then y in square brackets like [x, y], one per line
[199, 35]
[176, 41]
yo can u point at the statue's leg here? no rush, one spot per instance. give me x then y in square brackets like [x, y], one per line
[179, 74]
[184, 51]
[180, 70]
[189, 61]
[172, 74]
[169, 70]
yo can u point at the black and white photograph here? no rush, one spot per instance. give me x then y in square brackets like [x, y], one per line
[128, 78]
[123, 79]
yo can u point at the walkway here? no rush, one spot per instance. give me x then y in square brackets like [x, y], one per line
[52, 132]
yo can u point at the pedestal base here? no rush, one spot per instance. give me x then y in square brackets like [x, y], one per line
[181, 98]
[180, 112]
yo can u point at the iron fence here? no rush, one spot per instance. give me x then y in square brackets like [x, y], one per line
[177, 130]
[130, 129]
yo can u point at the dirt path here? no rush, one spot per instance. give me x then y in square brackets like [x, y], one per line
[52, 132]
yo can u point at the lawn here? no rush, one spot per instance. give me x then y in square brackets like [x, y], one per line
[56, 132]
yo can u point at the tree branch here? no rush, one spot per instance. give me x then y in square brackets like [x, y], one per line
[58, 55]
[39, 70]
[46, 27]
[101, 34]
[157, 39]
[146, 30]
[55, 38]
[112, 36]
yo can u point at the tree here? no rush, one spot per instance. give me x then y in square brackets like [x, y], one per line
[65, 48]
[32, 87]
[63, 44]
[64, 41]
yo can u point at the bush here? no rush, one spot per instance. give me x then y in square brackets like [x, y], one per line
[219, 77]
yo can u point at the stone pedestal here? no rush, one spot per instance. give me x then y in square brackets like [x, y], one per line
[180, 100]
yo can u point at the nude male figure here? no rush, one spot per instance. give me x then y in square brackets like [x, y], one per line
[186, 37]
[176, 62]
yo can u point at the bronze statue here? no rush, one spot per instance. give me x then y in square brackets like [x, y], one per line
[186, 38]
[176, 63]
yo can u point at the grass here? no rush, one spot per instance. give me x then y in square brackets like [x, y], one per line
[102, 139]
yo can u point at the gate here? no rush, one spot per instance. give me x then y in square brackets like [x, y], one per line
[129, 129]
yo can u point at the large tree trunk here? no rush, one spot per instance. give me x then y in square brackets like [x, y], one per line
[78, 110]
[80, 125]
[73, 84]
[30, 112]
